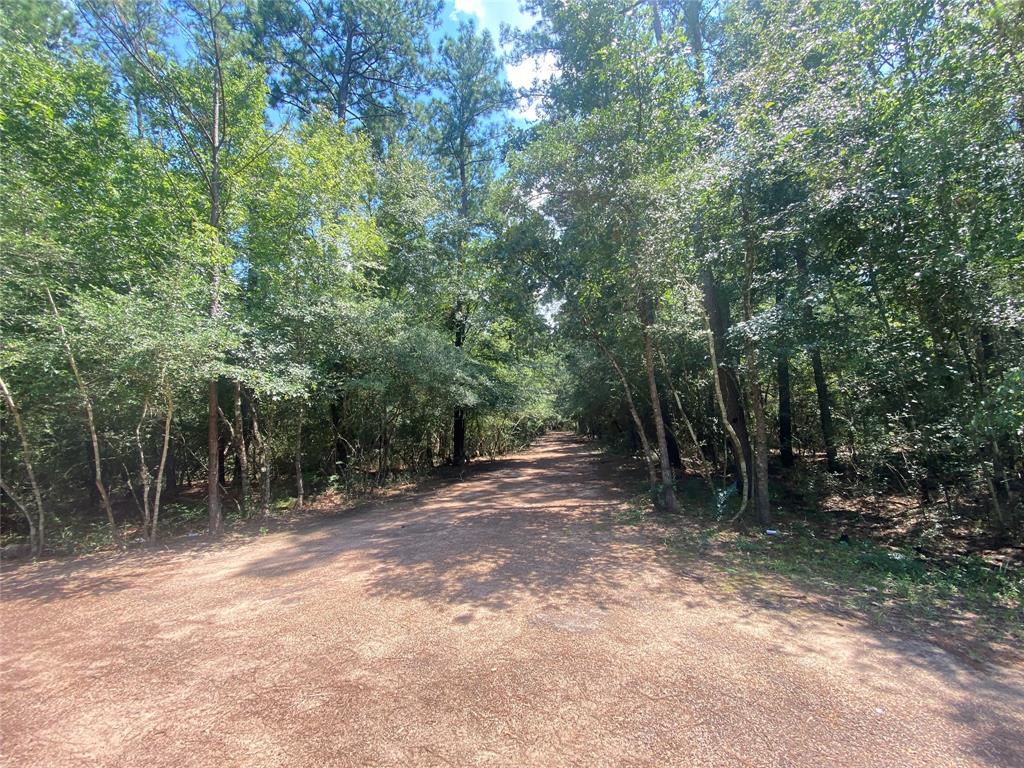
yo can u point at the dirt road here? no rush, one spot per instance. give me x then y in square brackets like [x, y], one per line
[498, 620]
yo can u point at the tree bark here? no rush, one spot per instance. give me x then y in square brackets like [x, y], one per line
[814, 352]
[144, 476]
[171, 470]
[213, 460]
[459, 417]
[37, 527]
[263, 453]
[299, 489]
[340, 446]
[730, 430]
[700, 455]
[670, 504]
[785, 411]
[164, 451]
[216, 523]
[645, 444]
[32, 533]
[241, 452]
[762, 504]
[726, 385]
[94, 440]
[824, 409]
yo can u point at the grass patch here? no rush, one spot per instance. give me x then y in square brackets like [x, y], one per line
[634, 513]
[962, 603]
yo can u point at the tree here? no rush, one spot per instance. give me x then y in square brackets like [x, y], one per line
[466, 114]
[210, 112]
[359, 59]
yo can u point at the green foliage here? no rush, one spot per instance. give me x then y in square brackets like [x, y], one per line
[840, 183]
[826, 196]
[307, 266]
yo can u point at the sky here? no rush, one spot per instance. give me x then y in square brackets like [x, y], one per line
[491, 14]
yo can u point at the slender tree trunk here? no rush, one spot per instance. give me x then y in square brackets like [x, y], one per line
[144, 476]
[726, 385]
[299, 490]
[652, 472]
[344, 90]
[730, 430]
[94, 440]
[222, 460]
[705, 470]
[216, 522]
[824, 409]
[241, 452]
[459, 417]
[785, 411]
[140, 128]
[213, 459]
[33, 534]
[36, 525]
[668, 494]
[762, 504]
[820, 382]
[171, 471]
[383, 464]
[340, 446]
[263, 453]
[160, 473]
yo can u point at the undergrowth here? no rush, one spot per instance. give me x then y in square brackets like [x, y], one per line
[976, 603]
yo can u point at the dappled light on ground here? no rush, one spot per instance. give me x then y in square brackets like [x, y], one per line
[500, 619]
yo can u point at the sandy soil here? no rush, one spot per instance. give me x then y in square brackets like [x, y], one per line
[497, 620]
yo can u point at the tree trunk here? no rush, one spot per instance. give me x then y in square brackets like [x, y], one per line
[161, 471]
[94, 440]
[820, 382]
[213, 459]
[299, 490]
[216, 522]
[222, 460]
[670, 504]
[36, 527]
[144, 476]
[730, 430]
[340, 446]
[641, 433]
[459, 417]
[171, 470]
[700, 455]
[726, 386]
[762, 504]
[33, 534]
[263, 455]
[241, 452]
[344, 91]
[785, 411]
[824, 409]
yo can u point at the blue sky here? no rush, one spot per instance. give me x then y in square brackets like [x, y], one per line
[491, 14]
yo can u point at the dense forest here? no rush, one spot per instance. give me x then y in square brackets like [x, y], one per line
[255, 249]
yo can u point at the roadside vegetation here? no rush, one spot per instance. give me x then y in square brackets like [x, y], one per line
[964, 601]
[259, 255]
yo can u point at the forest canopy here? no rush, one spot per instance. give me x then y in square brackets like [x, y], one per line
[259, 247]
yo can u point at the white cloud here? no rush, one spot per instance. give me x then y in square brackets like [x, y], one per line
[528, 73]
[470, 7]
